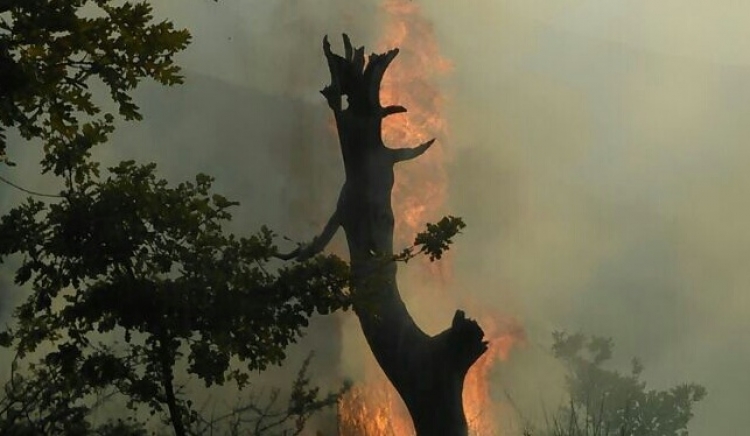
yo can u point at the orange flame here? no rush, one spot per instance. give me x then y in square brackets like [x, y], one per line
[419, 193]
[373, 408]
[479, 407]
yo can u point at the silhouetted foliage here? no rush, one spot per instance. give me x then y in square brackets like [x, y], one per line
[53, 52]
[43, 401]
[435, 240]
[260, 414]
[128, 258]
[605, 402]
[132, 260]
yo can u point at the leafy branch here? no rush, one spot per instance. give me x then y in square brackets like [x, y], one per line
[434, 241]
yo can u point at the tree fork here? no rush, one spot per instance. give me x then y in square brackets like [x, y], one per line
[427, 371]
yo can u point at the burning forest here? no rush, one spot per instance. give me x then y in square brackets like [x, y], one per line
[593, 148]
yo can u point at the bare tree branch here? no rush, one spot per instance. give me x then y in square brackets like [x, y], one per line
[318, 243]
[404, 154]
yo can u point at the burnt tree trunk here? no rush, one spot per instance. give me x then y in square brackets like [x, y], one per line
[427, 371]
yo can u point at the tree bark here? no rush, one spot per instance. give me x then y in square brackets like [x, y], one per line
[427, 371]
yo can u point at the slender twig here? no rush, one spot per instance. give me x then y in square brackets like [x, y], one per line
[28, 191]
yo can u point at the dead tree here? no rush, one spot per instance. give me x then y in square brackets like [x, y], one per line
[427, 371]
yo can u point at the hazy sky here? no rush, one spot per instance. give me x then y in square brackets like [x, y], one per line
[616, 130]
[599, 160]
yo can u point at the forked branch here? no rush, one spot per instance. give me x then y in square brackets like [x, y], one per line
[318, 244]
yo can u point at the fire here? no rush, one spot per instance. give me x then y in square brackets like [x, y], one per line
[373, 408]
[418, 194]
[478, 405]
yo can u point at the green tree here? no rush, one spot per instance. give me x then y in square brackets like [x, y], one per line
[605, 402]
[47, 404]
[131, 259]
[52, 52]
[127, 257]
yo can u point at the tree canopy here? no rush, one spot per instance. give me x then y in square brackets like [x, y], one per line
[132, 260]
[126, 274]
[607, 402]
[54, 52]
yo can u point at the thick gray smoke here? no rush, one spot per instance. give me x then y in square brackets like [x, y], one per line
[602, 173]
[599, 161]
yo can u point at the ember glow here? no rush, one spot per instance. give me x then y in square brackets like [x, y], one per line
[373, 408]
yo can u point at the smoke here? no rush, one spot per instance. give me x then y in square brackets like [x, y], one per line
[598, 160]
[600, 168]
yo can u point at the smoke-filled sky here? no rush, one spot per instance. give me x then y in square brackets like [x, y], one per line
[598, 158]
[609, 138]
